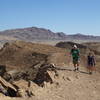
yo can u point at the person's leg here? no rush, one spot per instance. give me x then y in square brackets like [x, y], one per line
[94, 69]
[91, 67]
[75, 66]
[90, 70]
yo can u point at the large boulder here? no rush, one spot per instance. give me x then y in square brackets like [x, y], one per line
[7, 89]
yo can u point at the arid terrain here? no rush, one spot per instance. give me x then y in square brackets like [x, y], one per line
[42, 35]
[35, 64]
[44, 72]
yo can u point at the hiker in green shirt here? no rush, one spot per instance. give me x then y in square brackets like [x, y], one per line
[75, 56]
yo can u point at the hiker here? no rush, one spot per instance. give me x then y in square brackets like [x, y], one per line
[91, 62]
[75, 56]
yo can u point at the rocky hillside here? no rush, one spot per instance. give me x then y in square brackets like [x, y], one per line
[95, 46]
[41, 34]
[84, 37]
[44, 72]
[33, 33]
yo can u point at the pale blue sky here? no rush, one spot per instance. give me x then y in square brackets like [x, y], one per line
[68, 16]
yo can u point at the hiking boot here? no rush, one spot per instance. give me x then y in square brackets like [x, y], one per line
[77, 69]
[90, 73]
[74, 70]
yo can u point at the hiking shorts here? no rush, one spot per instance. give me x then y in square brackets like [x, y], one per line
[91, 64]
[75, 61]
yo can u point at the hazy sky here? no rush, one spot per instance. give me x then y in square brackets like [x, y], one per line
[68, 16]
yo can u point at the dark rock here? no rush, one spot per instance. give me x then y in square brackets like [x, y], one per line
[7, 88]
[69, 45]
[2, 70]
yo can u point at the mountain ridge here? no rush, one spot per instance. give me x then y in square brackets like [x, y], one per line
[32, 33]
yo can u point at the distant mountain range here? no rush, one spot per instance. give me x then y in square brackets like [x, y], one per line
[34, 33]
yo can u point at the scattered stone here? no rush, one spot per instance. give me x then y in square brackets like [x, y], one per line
[69, 78]
[21, 93]
[30, 93]
[24, 88]
[77, 77]
[64, 78]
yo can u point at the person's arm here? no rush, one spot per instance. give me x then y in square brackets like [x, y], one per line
[94, 60]
[78, 52]
[71, 51]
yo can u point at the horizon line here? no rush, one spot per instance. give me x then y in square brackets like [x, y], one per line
[76, 33]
